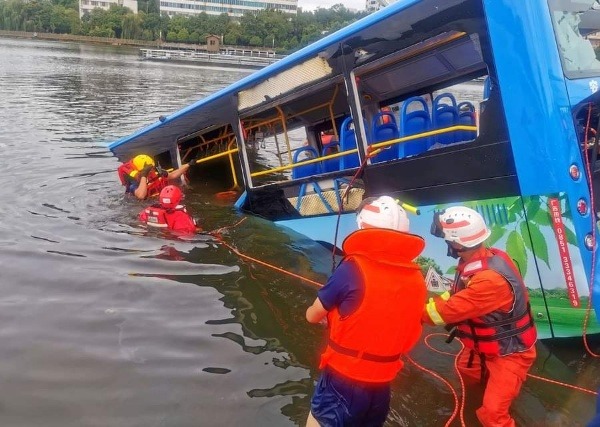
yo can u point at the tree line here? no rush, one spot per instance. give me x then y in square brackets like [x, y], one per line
[265, 28]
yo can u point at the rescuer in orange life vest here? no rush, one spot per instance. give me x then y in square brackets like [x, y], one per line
[372, 304]
[169, 214]
[142, 178]
[489, 306]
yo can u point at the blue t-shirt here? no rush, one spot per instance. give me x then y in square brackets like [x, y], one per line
[344, 289]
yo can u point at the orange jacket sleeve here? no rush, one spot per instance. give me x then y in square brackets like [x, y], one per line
[487, 291]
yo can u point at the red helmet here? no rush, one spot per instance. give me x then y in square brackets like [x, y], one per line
[170, 196]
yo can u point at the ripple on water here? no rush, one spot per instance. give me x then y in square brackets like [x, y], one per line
[106, 324]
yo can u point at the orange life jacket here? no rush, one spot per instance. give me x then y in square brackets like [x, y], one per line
[498, 333]
[367, 344]
[155, 182]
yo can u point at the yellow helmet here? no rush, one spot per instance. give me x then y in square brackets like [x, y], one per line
[142, 160]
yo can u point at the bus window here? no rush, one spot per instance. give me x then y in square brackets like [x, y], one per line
[574, 21]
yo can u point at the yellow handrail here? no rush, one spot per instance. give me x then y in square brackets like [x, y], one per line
[216, 156]
[421, 135]
[230, 151]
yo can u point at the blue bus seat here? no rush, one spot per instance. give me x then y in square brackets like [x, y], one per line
[331, 165]
[348, 142]
[384, 128]
[305, 170]
[466, 117]
[444, 115]
[417, 121]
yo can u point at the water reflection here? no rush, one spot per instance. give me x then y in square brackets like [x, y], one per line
[129, 327]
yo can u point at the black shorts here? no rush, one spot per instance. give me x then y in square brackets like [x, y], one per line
[340, 401]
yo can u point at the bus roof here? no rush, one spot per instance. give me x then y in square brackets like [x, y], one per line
[367, 40]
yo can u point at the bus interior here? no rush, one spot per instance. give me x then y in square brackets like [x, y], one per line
[427, 100]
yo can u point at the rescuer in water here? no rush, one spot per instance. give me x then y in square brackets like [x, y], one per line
[169, 214]
[489, 307]
[143, 178]
[372, 304]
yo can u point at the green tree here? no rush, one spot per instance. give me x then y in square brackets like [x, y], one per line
[64, 20]
[132, 26]
[67, 4]
[255, 41]
[425, 263]
[183, 35]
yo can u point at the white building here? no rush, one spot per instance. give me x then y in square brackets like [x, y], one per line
[86, 6]
[375, 5]
[234, 8]
[436, 282]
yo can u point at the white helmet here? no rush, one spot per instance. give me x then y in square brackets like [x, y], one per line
[461, 225]
[382, 212]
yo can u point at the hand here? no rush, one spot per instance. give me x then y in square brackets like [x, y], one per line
[162, 172]
[146, 170]
[193, 161]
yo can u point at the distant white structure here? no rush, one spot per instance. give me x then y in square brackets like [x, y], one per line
[86, 6]
[234, 8]
[436, 282]
[375, 5]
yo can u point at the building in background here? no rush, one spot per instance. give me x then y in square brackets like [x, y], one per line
[234, 8]
[86, 6]
[375, 5]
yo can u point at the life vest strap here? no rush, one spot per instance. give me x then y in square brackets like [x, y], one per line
[502, 322]
[495, 337]
[363, 355]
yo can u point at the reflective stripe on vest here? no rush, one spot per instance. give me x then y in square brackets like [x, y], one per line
[156, 216]
[498, 333]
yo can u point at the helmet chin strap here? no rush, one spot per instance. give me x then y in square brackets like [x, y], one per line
[452, 251]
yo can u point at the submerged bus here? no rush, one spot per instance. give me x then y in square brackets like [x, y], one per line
[493, 104]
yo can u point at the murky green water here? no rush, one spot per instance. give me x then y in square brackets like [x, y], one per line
[103, 324]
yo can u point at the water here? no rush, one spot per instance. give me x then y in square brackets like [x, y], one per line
[104, 324]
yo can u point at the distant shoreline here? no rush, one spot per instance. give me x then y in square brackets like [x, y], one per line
[103, 40]
[85, 39]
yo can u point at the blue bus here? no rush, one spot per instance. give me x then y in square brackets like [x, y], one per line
[493, 104]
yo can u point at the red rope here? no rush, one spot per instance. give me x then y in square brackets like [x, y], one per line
[439, 377]
[593, 217]
[217, 235]
[370, 153]
[574, 387]
[462, 384]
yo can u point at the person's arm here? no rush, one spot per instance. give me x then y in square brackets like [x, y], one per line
[179, 171]
[316, 312]
[487, 291]
[141, 192]
[343, 291]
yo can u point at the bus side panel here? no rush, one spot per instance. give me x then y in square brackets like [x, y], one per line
[548, 234]
[539, 113]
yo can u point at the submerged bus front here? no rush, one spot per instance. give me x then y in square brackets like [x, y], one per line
[548, 74]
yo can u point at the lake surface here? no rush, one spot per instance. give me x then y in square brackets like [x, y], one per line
[104, 324]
